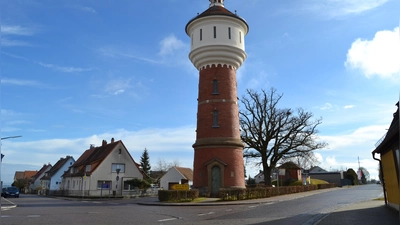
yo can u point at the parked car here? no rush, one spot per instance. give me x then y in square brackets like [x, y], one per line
[10, 191]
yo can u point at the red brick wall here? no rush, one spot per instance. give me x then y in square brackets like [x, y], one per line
[226, 104]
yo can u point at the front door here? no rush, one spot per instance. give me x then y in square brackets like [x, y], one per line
[215, 180]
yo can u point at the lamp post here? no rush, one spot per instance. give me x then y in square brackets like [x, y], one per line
[116, 185]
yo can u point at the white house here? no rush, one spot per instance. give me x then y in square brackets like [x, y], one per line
[176, 175]
[101, 171]
[51, 181]
[35, 183]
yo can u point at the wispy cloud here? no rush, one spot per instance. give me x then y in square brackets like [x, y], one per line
[348, 106]
[170, 45]
[21, 82]
[65, 69]
[10, 34]
[377, 57]
[340, 8]
[17, 30]
[85, 8]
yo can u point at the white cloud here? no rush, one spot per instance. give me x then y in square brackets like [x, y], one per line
[327, 106]
[169, 45]
[377, 57]
[348, 106]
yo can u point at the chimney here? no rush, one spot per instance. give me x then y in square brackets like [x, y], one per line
[104, 143]
[91, 146]
[112, 140]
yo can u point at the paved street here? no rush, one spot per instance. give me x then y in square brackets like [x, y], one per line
[303, 208]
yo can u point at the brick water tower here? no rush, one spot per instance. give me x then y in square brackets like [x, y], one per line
[217, 51]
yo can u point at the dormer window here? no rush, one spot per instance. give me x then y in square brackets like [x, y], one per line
[88, 168]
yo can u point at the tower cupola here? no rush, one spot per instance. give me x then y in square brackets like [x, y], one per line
[217, 3]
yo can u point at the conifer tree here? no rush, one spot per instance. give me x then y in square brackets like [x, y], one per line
[145, 161]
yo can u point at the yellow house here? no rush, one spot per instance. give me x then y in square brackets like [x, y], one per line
[388, 149]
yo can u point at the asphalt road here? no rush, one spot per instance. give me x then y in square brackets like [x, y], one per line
[33, 209]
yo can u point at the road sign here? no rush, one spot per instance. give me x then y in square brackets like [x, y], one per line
[182, 187]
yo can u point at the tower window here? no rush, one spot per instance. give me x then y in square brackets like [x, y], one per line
[201, 34]
[229, 32]
[215, 32]
[215, 87]
[215, 119]
[240, 37]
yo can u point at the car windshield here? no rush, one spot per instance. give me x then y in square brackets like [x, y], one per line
[11, 188]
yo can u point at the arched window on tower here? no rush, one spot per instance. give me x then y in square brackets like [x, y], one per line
[215, 119]
[215, 87]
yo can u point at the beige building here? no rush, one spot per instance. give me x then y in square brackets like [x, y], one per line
[101, 171]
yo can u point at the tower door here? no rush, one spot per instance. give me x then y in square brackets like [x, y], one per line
[215, 180]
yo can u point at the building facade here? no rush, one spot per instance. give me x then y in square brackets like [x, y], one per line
[389, 161]
[217, 51]
[101, 171]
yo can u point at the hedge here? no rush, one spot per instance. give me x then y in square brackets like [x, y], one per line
[233, 194]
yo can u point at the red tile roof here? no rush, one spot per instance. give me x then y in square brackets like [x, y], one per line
[94, 157]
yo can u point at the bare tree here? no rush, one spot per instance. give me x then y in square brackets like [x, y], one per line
[305, 160]
[162, 165]
[270, 133]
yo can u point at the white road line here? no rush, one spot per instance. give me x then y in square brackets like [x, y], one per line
[31, 216]
[253, 206]
[169, 219]
[228, 210]
[203, 214]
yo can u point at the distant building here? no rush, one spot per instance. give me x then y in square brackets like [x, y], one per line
[51, 181]
[389, 158]
[24, 176]
[35, 182]
[101, 171]
[176, 175]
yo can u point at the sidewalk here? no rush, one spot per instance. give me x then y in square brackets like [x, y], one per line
[370, 212]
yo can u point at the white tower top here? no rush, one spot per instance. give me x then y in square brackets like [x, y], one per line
[217, 37]
[216, 3]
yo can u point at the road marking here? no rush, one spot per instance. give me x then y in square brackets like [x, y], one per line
[253, 206]
[228, 210]
[169, 219]
[203, 214]
[33, 216]
[96, 202]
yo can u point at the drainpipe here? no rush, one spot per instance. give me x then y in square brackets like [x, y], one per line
[383, 176]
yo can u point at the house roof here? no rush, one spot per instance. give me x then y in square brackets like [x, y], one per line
[186, 172]
[392, 135]
[94, 156]
[29, 173]
[317, 169]
[19, 175]
[290, 165]
[41, 171]
[216, 10]
[59, 164]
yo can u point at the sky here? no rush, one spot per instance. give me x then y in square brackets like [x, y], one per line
[76, 72]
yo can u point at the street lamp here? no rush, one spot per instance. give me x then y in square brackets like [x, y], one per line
[7, 138]
[117, 178]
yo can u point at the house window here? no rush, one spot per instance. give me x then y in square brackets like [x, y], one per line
[119, 151]
[119, 166]
[88, 167]
[103, 184]
[215, 87]
[229, 32]
[215, 32]
[215, 119]
[68, 184]
[201, 34]
[73, 184]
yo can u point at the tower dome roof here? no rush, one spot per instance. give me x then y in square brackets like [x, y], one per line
[217, 10]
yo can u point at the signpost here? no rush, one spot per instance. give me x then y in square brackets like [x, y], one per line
[181, 187]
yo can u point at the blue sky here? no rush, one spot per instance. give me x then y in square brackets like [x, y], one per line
[76, 72]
